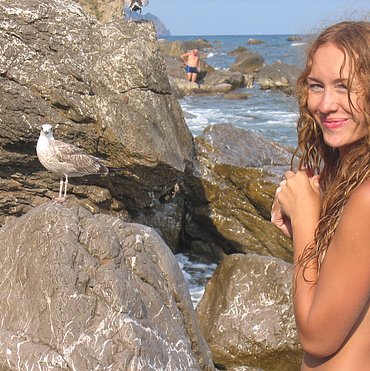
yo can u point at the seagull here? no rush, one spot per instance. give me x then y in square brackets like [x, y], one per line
[65, 160]
[135, 5]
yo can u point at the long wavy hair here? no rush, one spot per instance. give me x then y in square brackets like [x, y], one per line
[338, 177]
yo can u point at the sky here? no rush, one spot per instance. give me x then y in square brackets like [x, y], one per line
[253, 17]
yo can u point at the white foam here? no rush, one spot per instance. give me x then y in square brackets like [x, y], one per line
[196, 275]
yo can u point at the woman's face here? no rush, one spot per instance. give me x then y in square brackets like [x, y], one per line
[328, 99]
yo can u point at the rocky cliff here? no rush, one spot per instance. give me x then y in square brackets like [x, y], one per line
[70, 272]
[103, 10]
[106, 88]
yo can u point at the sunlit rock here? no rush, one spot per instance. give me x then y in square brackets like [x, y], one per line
[246, 314]
[278, 75]
[88, 292]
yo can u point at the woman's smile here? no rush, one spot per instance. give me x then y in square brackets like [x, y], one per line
[333, 123]
[337, 109]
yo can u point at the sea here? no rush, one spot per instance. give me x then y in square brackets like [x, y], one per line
[271, 113]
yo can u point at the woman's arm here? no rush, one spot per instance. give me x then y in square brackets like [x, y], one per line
[326, 312]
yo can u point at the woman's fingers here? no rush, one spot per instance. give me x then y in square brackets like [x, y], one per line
[289, 174]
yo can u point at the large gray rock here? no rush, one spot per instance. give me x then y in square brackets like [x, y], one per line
[235, 79]
[247, 62]
[278, 75]
[230, 194]
[106, 87]
[85, 292]
[246, 314]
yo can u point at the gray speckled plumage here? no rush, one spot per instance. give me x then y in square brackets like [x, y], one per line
[65, 160]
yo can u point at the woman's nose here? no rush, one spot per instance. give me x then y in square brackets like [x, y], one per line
[328, 101]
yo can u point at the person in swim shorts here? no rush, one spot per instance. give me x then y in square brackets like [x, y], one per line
[192, 62]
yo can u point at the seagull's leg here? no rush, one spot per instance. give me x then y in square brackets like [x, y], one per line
[60, 198]
[65, 187]
[60, 187]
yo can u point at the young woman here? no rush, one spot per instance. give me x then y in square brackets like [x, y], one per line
[325, 205]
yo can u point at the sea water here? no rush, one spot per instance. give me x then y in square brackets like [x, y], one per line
[269, 112]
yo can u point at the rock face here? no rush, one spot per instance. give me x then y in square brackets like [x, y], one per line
[89, 292]
[106, 87]
[230, 193]
[247, 62]
[233, 80]
[278, 75]
[103, 10]
[246, 314]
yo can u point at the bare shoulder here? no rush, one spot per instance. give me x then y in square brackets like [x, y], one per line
[361, 194]
[358, 205]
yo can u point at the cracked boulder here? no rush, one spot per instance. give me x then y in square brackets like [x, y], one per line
[90, 292]
[246, 314]
[106, 89]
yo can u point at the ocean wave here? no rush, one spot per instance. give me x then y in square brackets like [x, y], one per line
[211, 54]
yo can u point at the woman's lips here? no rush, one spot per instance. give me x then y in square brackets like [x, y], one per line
[333, 124]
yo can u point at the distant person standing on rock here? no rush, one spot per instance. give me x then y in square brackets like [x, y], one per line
[192, 64]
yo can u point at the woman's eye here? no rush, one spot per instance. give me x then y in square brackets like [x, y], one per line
[315, 87]
[342, 87]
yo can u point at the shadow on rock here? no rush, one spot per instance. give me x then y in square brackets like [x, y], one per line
[230, 192]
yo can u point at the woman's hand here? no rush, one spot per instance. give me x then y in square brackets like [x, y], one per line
[278, 217]
[300, 197]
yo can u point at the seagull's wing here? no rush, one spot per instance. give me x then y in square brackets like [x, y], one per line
[62, 149]
[78, 160]
[144, 2]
